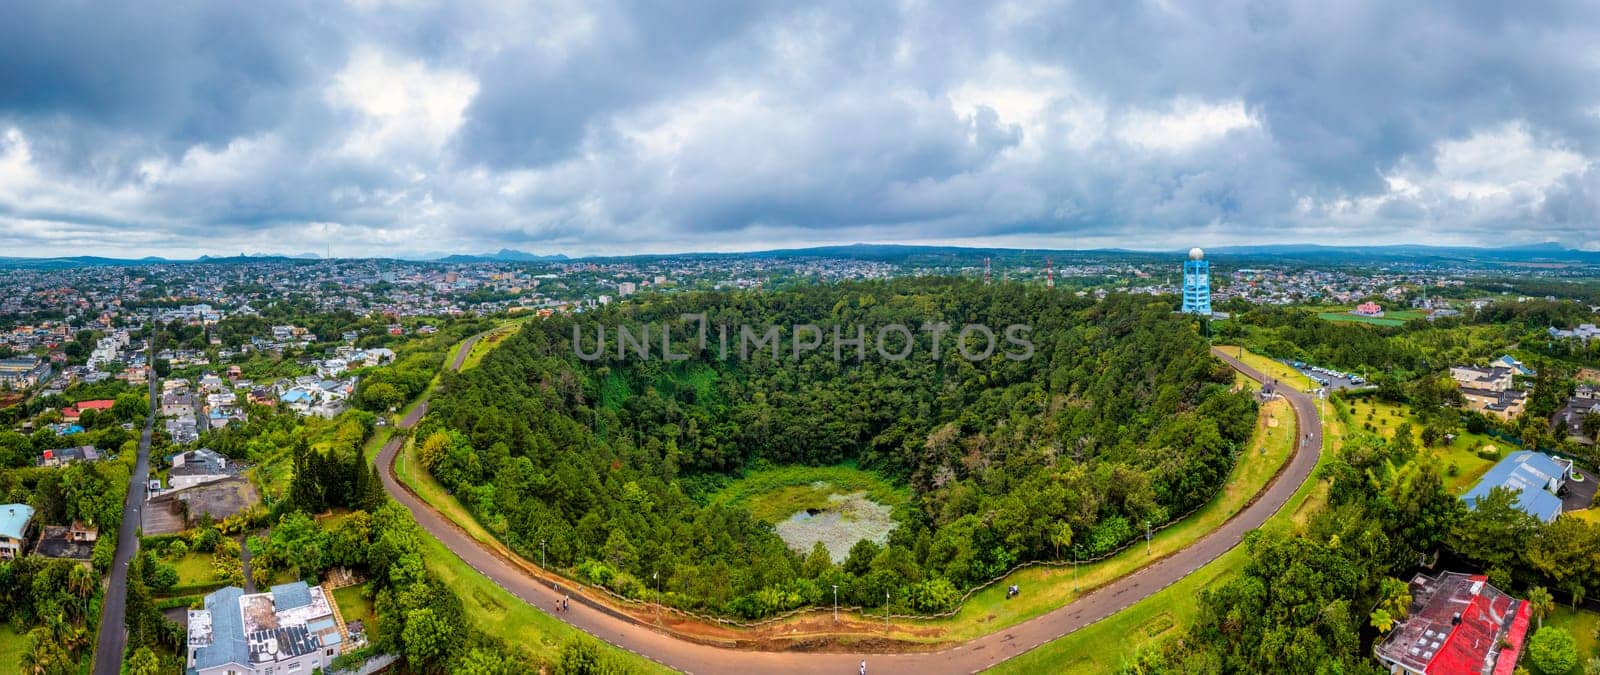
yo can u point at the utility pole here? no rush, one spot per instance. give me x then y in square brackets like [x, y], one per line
[541, 554]
[1147, 537]
[656, 576]
[886, 614]
[836, 603]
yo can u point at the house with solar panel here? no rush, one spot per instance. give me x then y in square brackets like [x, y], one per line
[289, 630]
[1536, 478]
[1456, 623]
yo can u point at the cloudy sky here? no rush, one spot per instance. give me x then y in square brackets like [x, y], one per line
[401, 128]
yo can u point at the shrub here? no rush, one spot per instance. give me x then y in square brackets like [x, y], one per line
[1553, 651]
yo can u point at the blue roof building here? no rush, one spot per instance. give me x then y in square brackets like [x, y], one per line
[1534, 477]
[14, 520]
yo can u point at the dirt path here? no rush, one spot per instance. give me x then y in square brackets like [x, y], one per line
[594, 617]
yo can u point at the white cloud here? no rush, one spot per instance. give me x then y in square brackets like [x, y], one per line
[403, 104]
[1186, 124]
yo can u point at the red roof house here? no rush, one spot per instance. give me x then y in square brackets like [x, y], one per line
[1457, 623]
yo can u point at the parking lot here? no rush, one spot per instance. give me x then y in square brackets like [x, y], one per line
[1332, 379]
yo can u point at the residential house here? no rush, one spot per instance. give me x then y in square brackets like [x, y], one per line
[177, 404]
[1457, 623]
[1569, 419]
[289, 629]
[1368, 309]
[197, 466]
[1490, 390]
[70, 542]
[1535, 477]
[14, 520]
[74, 412]
[65, 456]
[1584, 332]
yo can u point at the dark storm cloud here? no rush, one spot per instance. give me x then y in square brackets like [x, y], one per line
[400, 126]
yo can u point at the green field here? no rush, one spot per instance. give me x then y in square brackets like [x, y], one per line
[1384, 320]
[1270, 367]
[354, 605]
[12, 645]
[495, 611]
[194, 568]
[1582, 624]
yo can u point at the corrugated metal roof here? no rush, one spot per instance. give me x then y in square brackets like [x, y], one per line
[1531, 475]
[227, 631]
[290, 595]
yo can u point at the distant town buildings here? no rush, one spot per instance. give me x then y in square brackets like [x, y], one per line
[23, 372]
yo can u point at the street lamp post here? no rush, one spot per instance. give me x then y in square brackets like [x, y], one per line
[656, 576]
[541, 554]
[1074, 569]
[836, 603]
[885, 613]
[1147, 537]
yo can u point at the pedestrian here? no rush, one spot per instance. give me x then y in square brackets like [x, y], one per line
[863, 667]
[566, 603]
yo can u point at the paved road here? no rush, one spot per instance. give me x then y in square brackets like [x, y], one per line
[968, 657]
[113, 641]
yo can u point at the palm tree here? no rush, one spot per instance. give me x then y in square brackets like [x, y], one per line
[82, 582]
[1541, 602]
[1381, 620]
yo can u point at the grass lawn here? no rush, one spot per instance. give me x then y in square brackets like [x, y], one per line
[11, 646]
[1271, 367]
[354, 605]
[1104, 646]
[1352, 318]
[1385, 418]
[775, 494]
[489, 341]
[193, 568]
[1582, 625]
[1591, 515]
[495, 611]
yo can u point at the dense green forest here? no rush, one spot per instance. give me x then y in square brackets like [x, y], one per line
[1121, 417]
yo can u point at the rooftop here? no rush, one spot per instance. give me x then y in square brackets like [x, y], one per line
[1535, 477]
[1455, 625]
[14, 519]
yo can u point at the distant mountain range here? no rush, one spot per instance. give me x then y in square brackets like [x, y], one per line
[1309, 253]
[503, 255]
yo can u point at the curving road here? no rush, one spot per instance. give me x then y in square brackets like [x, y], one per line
[968, 657]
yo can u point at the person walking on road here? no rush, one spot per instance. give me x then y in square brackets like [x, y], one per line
[566, 603]
[863, 667]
